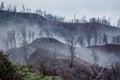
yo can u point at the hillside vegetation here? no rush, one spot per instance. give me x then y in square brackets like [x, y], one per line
[10, 71]
[42, 46]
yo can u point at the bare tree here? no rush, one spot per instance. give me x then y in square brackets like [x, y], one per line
[81, 41]
[19, 39]
[24, 43]
[72, 47]
[11, 38]
[89, 34]
[118, 23]
[2, 6]
[54, 57]
[88, 38]
[83, 20]
[39, 11]
[23, 8]
[95, 37]
[33, 35]
[116, 40]
[15, 8]
[10, 7]
[40, 33]
[100, 39]
[29, 36]
[48, 34]
[14, 38]
[92, 20]
[105, 40]
[95, 57]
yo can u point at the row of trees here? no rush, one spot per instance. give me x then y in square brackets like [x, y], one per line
[24, 37]
[13, 8]
[48, 16]
[57, 18]
[9, 8]
[116, 40]
[92, 40]
[92, 20]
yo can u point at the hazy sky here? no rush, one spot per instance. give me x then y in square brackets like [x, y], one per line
[67, 8]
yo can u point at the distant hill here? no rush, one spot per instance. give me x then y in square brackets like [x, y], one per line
[50, 44]
[19, 17]
[60, 31]
[108, 48]
[35, 23]
[45, 47]
[61, 28]
[43, 44]
[107, 54]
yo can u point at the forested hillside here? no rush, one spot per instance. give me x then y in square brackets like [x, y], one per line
[41, 46]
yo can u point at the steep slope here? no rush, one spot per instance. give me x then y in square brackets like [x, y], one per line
[19, 54]
[54, 60]
[39, 54]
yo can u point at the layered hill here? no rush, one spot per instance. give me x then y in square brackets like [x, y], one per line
[35, 23]
[46, 47]
[50, 43]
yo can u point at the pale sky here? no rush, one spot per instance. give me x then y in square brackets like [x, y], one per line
[67, 8]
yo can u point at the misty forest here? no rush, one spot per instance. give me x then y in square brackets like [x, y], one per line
[42, 46]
